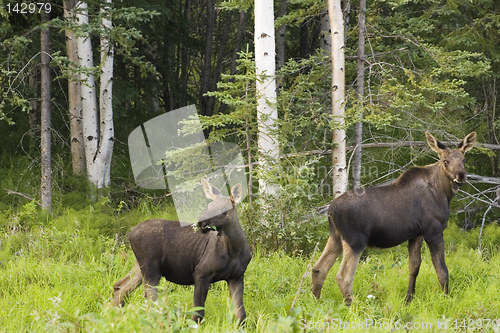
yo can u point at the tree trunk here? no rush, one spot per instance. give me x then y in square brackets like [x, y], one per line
[315, 34]
[98, 129]
[224, 38]
[360, 91]
[74, 97]
[152, 53]
[280, 35]
[304, 40]
[46, 182]
[267, 113]
[106, 130]
[207, 65]
[183, 99]
[239, 40]
[169, 96]
[325, 38]
[237, 48]
[34, 115]
[89, 99]
[338, 97]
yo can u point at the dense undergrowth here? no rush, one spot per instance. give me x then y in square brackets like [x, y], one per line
[57, 270]
[57, 273]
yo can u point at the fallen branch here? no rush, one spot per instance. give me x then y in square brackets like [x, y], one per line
[482, 226]
[483, 179]
[24, 196]
[471, 179]
[304, 276]
[396, 144]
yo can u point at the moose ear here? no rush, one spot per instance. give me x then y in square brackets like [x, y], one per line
[434, 143]
[211, 191]
[467, 143]
[237, 193]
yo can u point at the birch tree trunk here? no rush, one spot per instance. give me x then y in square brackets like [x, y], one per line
[74, 96]
[106, 139]
[267, 113]
[360, 91]
[338, 97]
[88, 96]
[98, 128]
[45, 143]
[207, 65]
[325, 39]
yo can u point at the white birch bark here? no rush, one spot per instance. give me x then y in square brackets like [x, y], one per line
[338, 97]
[106, 140]
[267, 113]
[74, 96]
[98, 128]
[89, 99]
[325, 40]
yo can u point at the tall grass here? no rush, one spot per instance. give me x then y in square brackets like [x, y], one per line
[57, 274]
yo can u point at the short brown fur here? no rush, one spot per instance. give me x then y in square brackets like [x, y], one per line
[182, 256]
[414, 208]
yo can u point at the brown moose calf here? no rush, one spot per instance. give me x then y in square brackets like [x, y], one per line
[414, 208]
[182, 256]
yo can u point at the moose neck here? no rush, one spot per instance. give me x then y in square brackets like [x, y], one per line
[442, 183]
[234, 237]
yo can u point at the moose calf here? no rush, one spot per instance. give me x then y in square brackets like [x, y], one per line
[414, 208]
[182, 256]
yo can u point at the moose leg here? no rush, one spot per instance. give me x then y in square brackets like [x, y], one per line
[152, 276]
[236, 293]
[345, 275]
[436, 247]
[126, 285]
[415, 258]
[326, 261]
[201, 286]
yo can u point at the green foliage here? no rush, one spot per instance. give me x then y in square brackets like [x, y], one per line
[238, 93]
[124, 36]
[299, 11]
[58, 280]
[236, 4]
[10, 70]
[431, 65]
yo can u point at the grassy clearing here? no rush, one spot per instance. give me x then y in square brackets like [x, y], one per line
[56, 275]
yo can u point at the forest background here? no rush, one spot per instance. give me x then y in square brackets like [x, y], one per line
[429, 66]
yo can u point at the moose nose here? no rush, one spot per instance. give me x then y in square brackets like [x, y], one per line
[460, 177]
[203, 224]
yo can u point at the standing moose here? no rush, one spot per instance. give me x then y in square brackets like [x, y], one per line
[182, 256]
[414, 208]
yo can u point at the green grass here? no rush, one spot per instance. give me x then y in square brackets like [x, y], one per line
[57, 274]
